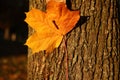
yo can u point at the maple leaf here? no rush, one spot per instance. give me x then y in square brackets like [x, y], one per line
[50, 26]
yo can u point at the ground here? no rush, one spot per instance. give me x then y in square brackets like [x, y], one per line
[13, 61]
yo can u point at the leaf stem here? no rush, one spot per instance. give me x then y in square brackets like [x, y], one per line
[66, 57]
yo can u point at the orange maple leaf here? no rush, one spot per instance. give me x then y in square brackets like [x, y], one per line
[50, 26]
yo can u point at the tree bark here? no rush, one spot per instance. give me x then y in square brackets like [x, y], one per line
[93, 47]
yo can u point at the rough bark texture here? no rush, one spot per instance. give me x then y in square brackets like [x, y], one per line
[93, 47]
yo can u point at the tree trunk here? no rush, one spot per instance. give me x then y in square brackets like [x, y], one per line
[93, 47]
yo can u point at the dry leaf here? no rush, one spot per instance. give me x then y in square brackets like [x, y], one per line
[50, 26]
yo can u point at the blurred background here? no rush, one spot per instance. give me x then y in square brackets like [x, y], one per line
[13, 34]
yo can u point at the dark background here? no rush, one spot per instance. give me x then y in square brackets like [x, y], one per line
[13, 52]
[12, 15]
